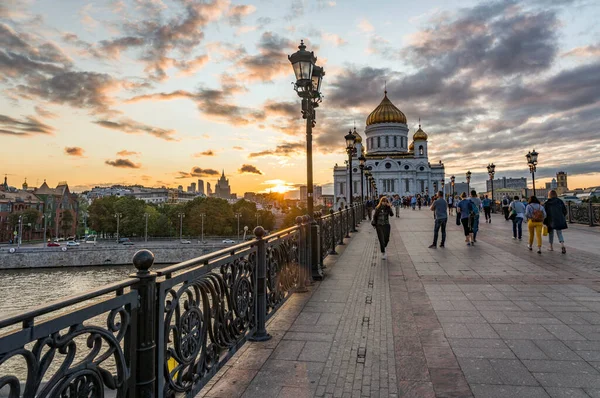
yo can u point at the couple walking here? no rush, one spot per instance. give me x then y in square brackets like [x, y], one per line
[551, 215]
[467, 216]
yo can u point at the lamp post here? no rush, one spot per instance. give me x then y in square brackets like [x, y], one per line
[45, 218]
[362, 160]
[202, 215]
[350, 140]
[146, 215]
[181, 217]
[491, 168]
[443, 183]
[238, 216]
[532, 161]
[19, 241]
[452, 179]
[309, 77]
[468, 183]
[118, 217]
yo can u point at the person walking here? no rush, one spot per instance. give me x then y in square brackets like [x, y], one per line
[487, 209]
[419, 201]
[535, 215]
[413, 202]
[464, 209]
[369, 208]
[381, 222]
[555, 219]
[518, 208]
[450, 205]
[440, 213]
[475, 213]
[396, 204]
[505, 204]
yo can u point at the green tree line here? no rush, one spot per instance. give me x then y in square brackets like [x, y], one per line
[164, 219]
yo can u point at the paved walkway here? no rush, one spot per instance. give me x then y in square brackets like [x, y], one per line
[494, 320]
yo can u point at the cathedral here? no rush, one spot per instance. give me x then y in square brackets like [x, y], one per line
[398, 166]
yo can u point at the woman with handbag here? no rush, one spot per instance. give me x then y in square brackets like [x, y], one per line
[517, 213]
[535, 215]
[381, 222]
[555, 219]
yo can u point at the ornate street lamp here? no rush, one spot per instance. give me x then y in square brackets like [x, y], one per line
[468, 183]
[443, 183]
[532, 161]
[362, 161]
[309, 78]
[350, 141]
[491, 168]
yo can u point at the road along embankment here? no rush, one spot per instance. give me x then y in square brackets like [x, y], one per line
[83, 257]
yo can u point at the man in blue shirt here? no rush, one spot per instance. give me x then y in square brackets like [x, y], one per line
[440, 212]
[487, 209]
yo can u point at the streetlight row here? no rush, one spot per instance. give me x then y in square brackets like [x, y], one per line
[532, 161]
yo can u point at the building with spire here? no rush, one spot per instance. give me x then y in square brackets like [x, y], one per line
[400, 163]
[222, 188]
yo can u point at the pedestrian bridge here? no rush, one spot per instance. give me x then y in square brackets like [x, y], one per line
[484, 321]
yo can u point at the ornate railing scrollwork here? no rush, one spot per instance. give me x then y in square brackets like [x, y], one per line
[282, 269]
[205, 315]
[326, 235]
[78, 358]
[580, 213]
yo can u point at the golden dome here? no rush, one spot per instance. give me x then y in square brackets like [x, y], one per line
[386, 112]
[411, 147]
[420, 135]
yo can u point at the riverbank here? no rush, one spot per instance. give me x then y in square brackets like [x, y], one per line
[97, 256]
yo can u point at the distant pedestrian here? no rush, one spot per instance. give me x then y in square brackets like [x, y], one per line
[396, 203]
[475, 210]
[487, 209]
[464, 209]
[381, 222]
[517, 210]
[369, 208]
[450, 205]
[413, 202]
[419, 201]
[505, 204]
[555, 219]
[440, 213]
[535, 215]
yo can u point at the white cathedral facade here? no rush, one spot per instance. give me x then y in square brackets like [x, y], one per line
[399, 167]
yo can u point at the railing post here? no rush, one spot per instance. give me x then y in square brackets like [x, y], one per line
[591, 209]
[306, 222]
[341, 218]
[333, 241]
[301, 288]
[570, 212]
[320, 256]
[353, 217]
[145, 344]
[260, 332]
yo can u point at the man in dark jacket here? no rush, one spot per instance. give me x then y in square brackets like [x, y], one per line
[555, 219]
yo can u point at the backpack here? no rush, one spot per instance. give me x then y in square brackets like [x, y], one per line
[504, 202]
[538, 214]
[473, 208]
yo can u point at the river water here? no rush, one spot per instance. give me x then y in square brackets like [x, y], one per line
[22, 290]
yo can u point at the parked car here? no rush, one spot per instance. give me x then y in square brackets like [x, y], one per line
[228, 241]
[185, 242]
[127, 243]
[72, 243]
[53, 244]
[123, 240]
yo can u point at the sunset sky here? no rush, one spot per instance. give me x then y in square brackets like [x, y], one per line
[161, 92]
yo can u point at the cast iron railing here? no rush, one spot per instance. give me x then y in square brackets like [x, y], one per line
[163, 333]
[584, 213]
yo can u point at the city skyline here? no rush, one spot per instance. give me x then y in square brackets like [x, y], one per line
[169, 92]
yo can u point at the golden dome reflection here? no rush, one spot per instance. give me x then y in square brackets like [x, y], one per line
[386, 112]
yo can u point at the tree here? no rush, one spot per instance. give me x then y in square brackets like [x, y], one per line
[132, 220]
[101, 215]
[290, 217]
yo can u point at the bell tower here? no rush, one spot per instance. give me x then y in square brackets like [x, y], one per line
[561, 182]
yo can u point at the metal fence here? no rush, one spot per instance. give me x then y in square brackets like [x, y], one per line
[584, 213]
[163, 333]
